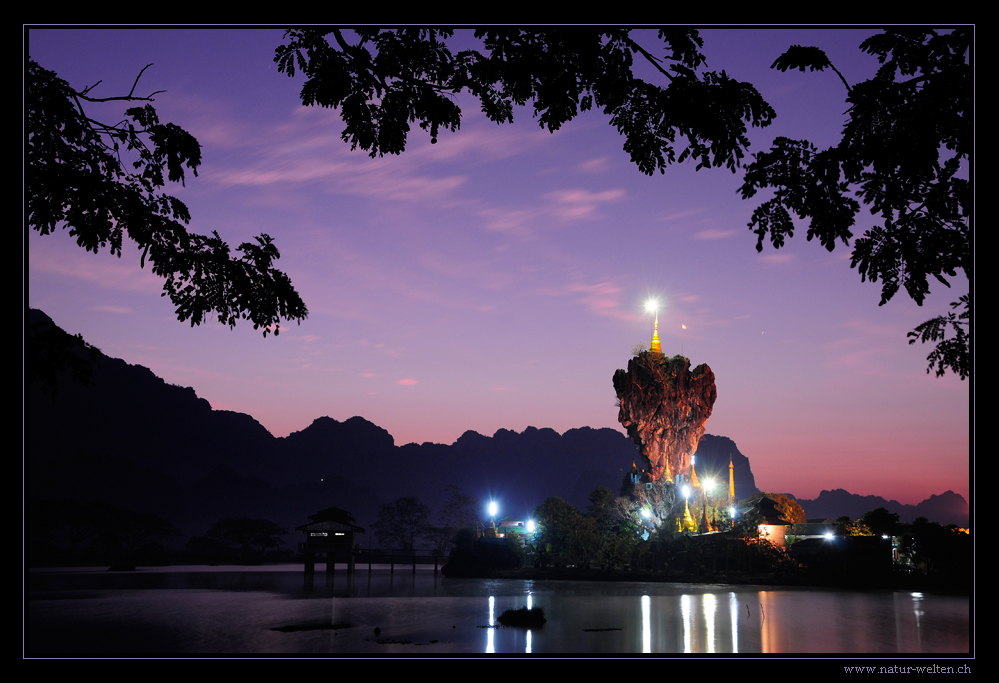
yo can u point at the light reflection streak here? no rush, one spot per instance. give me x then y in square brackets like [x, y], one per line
[687, 623]
[770, 635]
[917, 598]
[733, 615]
[646, 624]
[708, 605]
[530, 606]
[491, 631]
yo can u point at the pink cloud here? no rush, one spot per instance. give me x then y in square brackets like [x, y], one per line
[714, 234]
[101, 269]
[603, 299]
[598, 165]
[585, 196]
[686, 213]
[777, 259]
[407, 382]
[479, 143]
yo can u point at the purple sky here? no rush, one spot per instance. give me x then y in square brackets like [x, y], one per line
[496, 279]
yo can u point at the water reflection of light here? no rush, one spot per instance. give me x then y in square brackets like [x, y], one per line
[772, 638]
[733, 615]
[916, 600]
[491, 631]
[708, 605]
[687, 622]
[530, 606]
[646, 624]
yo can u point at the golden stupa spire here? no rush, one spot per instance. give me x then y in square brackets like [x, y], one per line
[687, 523]
[655, 347]
[731, 479]
[693, 476]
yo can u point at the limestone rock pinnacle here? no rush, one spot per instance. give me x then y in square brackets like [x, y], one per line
[664, 406]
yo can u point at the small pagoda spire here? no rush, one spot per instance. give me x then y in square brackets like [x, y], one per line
[693, 476]
[731, 479]
[655, 346]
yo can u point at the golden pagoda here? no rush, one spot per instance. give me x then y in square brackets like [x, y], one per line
[655, 346]
[687, 523]
[693, 476]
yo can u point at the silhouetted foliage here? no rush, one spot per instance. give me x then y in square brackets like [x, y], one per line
[881, 522]
[70, 530]
[133, 530]
[478, 557]
[459, 513]
[938, 551]
[247, 537]
[382, 80]
[602, 508]
[788, 507]
[101, 181]
[50, 352]
[402, 522]
[857, 527]
[904, 151]
[564, 537]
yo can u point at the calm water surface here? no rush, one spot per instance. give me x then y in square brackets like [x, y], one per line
[232, 610]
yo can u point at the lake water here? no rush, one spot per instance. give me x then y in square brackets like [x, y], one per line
[238, 610]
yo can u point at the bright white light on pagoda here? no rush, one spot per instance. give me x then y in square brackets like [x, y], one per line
[492, 508]
[652, 305]
[530, 526]
[686, 491]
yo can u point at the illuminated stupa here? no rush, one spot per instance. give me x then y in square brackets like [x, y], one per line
[655, 346]
[694, 483]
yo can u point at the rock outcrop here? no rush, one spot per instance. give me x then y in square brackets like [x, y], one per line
[664, 407]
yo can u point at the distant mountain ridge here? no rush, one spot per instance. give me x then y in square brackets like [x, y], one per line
[946, 508]
[136, 441]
